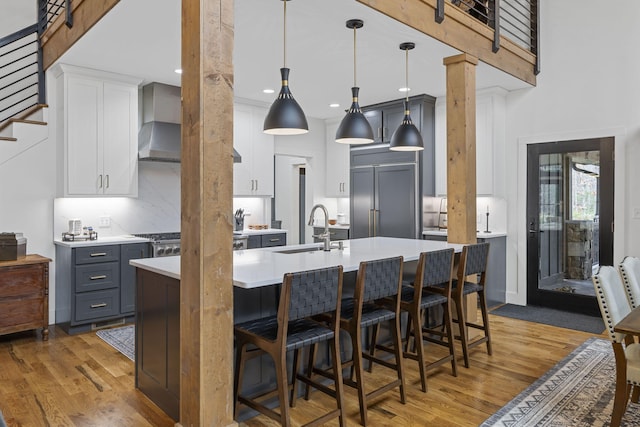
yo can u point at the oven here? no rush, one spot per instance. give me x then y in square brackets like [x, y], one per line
[168, 244]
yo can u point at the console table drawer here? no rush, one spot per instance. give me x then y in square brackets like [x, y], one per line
[95, 305]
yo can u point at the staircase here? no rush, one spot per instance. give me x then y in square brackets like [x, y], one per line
[23, 108]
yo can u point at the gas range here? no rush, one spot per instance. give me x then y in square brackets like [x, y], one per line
[163, 244]
[168, 244]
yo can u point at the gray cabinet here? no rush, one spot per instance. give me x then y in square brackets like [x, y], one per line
[266, 240]
[95, 286]
[334, 233]
[384, 193]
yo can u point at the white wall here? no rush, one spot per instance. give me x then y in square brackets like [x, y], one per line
[588, 87]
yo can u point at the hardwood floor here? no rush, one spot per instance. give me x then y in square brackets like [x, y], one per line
[81, 381]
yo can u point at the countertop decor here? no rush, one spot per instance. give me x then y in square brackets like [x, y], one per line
[101, 241]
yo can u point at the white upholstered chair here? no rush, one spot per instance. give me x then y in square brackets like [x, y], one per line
[630, 272]
[614, 306]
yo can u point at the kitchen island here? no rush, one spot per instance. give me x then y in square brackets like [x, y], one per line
[257, 274]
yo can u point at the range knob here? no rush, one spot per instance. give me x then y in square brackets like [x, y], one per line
[160, 251]
[176, 250]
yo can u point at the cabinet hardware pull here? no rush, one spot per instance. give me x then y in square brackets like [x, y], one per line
[107, 182]
[100, 185]
[102, 304]
[256, 185]
[369, 219]
[102, 276]
[252, 184]
[99, 254]
[274, 240]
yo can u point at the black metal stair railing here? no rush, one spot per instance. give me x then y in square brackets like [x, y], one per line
[21, 76]
[22, 80]
[516, 20]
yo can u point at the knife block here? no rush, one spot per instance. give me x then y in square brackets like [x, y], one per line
[239, 224]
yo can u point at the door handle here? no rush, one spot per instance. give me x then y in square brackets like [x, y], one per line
[375, 231]
[100, 185]
[369, 218]
[107, 182]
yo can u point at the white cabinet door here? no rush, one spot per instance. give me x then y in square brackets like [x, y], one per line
[337, 163]
[120, 140]
[490, 124]
[253, 176]
[84, 138]
[97, 132]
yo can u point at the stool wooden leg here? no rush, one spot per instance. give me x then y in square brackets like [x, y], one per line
[337, 376]
[372, 345]
[356, 340]
[239, 372]
[485, 320]
[311, 362]
[296, 368]
[450, 338]
[397, 346]
[419, 345]
[282, 380]
[462, 328]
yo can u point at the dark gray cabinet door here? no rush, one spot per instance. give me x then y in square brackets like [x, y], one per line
[128, 274]
[362, 202]
[395, 201]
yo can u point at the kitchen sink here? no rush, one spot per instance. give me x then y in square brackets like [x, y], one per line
[299, 250]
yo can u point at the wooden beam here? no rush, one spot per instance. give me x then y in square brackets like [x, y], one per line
[58, 38]
[461, 148]
[206, 311]
[460, 31]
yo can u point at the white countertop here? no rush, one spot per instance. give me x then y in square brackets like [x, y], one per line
[255, 268]
[249, 232]
[480, 234]
[101, 241]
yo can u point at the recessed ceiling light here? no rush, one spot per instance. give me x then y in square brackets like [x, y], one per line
[404, 89]
[268, 90]
[178, 70]
[334, 105]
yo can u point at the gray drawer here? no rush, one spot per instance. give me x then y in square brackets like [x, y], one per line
[96, 305]
[93, 277]
[95, 254]
[279, 239]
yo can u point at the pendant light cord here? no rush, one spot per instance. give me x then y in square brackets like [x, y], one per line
[354, 57]
[284, 31]
[406, 67]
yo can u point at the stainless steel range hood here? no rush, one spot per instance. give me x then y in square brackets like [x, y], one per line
[159, 137]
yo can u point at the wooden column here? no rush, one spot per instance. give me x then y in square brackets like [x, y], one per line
[206, 309]
[461, 160]
[461, 148]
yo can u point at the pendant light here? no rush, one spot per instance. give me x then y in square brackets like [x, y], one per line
[406, 137]
[285, 116]
[354, 128]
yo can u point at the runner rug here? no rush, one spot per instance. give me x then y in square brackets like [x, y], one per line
[578, 391]
[122, 339]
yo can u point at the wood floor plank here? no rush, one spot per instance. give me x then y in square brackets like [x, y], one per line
[81, 381]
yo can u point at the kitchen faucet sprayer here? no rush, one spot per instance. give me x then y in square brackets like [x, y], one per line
[326, 237]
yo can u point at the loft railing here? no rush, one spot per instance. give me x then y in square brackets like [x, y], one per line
[22, 81]
[21, 75]
[516, 20]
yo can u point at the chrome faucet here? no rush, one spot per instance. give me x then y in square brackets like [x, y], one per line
[326, 237]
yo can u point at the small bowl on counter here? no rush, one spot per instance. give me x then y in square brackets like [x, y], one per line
[333, 221]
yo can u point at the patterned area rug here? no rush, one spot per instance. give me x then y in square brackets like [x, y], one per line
[578, 391]
[122, 339]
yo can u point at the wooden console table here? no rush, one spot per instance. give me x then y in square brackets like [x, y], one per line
[24, 295]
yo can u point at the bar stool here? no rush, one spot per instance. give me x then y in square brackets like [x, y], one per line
[431, 288]
[473, 261]
[376, 280]
[303, 295]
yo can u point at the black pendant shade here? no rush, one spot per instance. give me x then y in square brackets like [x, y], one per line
[285, 116]
[406, 137]
[354, 127]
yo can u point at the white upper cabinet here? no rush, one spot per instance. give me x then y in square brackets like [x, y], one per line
[97, 132]
[253, 176]
[337, 162]
[490, 141]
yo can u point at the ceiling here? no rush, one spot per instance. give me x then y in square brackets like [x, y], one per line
[142, 38]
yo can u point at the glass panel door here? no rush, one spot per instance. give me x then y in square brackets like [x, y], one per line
[570, 212]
